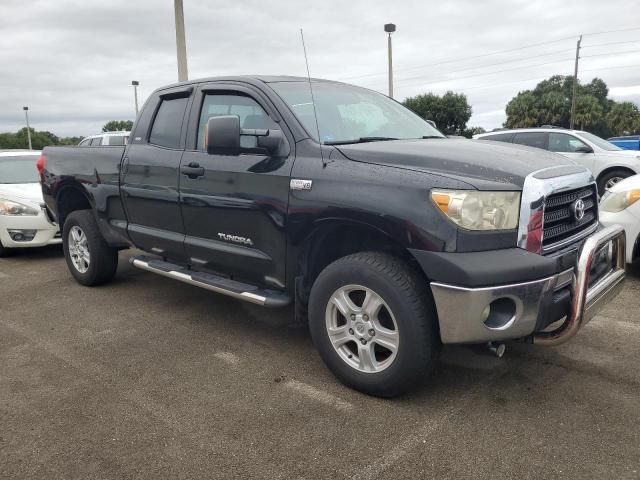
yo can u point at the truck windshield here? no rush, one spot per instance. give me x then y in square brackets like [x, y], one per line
[348, 114]
[18, 169]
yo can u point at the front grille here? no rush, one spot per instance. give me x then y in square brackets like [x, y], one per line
[561, 225]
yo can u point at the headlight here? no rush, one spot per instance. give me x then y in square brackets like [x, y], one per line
[618, 201]
[7, 207]
[475, 210]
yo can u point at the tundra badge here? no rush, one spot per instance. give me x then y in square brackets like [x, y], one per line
[235, 239]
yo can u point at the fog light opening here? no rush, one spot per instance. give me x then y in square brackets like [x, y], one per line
[501, 314]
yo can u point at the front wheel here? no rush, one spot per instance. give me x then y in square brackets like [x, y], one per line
[90, 260]
[373, 321]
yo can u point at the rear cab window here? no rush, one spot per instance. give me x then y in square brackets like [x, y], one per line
[167, 125]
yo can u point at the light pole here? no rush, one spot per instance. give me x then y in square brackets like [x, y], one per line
[135, 84]
[26, 115]
[181, 43]
[390, 28]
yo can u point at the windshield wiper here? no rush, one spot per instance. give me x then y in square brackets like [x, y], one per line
[359, 140]
[431, 136]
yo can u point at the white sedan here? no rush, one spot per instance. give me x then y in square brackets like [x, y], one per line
[24, 220]
[621, 205]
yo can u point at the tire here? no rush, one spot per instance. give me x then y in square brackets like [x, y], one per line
[611, 178]
[82, 236]
[406, 316]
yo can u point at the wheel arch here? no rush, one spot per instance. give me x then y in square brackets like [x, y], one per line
[335, 238]
[614, 168]
[70, 198]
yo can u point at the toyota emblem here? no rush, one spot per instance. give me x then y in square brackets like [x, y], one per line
[578, 209]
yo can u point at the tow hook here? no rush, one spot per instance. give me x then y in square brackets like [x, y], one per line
[497, 348]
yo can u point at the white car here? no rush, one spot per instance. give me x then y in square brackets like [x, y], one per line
[621, 205]
[105, 139]
[24, 219]
[608, 163]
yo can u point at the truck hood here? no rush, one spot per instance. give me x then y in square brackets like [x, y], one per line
[30, 193]
[483, 164]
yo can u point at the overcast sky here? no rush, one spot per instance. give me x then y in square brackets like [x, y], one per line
[72, 61]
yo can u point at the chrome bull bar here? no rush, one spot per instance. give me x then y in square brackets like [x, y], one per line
[587, 300]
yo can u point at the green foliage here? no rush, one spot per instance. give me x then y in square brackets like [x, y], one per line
[471, 131]
[624, 118]
[450, 112]
[549, 103]
[39, 140]
[118, 126]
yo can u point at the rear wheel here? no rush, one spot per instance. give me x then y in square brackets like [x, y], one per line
[90, 260]
[373, 321]
[609, 179]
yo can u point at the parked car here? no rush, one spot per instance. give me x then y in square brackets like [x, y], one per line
[609, 163]
[621, 205]
[24, 219]
[631, 142]
[105, 139]
[388, 237]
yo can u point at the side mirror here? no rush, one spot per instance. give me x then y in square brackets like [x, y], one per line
[222, 135]
[584, 149]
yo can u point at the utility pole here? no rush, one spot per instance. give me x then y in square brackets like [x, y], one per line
[26, 114]
[390, 28]
[181, 43]
[135, 84]
[575, 85]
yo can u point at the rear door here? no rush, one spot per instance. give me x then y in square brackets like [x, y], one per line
[235, 212]
[150, 175]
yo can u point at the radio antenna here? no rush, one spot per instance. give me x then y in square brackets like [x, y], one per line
[313, 102]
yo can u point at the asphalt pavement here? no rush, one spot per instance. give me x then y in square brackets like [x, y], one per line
[148, 378]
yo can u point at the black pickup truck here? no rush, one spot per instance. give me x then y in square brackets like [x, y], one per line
[389, 238]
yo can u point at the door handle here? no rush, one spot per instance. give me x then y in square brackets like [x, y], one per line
[193, 170]
[125, 165]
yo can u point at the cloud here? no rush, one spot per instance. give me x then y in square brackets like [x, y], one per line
[72, 61]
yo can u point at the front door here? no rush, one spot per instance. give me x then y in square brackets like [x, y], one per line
[235, 212]
[149, 180]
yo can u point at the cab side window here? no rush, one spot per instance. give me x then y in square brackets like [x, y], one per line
[167, 125]
[96, 141]
[251, 114]
[86, 142]
[532, 139]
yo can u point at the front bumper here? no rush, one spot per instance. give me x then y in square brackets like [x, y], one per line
[525, 309]
[45, 231]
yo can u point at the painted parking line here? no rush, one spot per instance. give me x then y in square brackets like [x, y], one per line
[319, 396]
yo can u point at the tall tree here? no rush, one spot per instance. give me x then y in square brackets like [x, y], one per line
[624, 118]
[118, 126]
[450, 112]
[588, 111]
[549, 103]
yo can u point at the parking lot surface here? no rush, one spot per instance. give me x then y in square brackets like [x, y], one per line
[149, 378]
